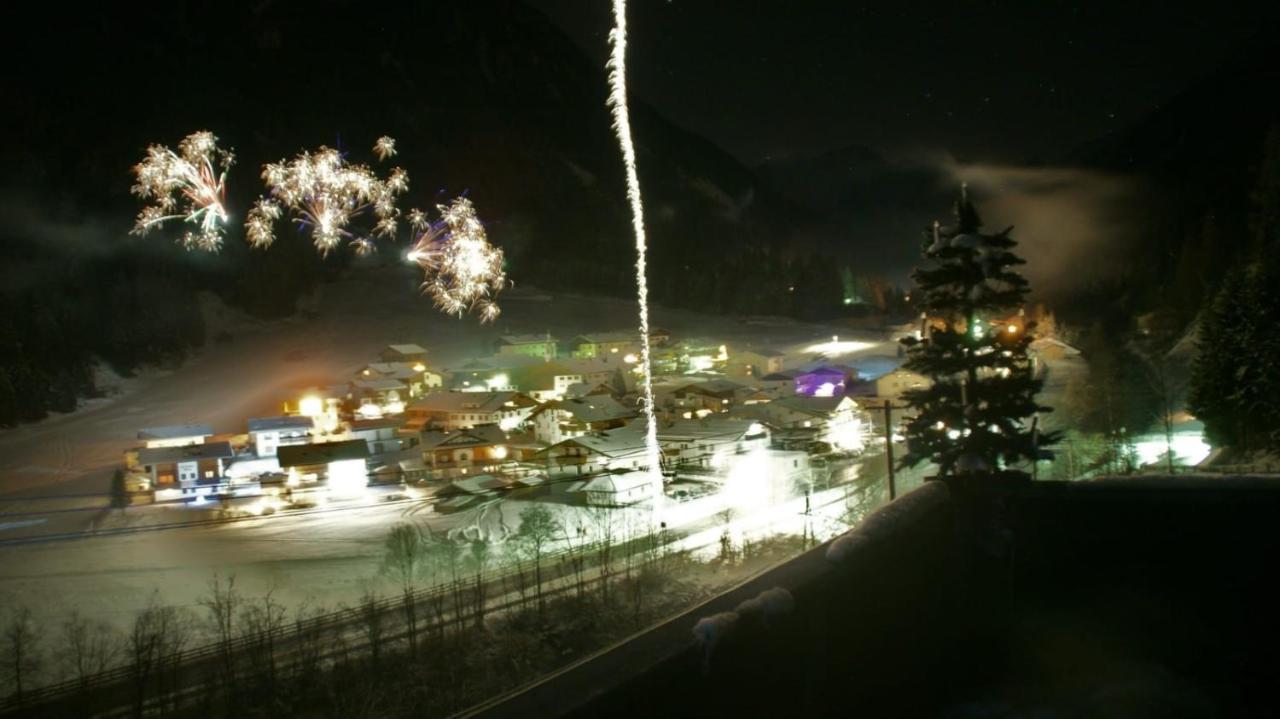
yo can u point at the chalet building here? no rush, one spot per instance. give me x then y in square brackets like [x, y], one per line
[267, 434]
[1052, 349]
[342, 467]
[482, 448]
[824, 381]
[715, 395]
[382, 435]
[778, 384]
[388, 394]
[616, 489]
[801, 411]
[702, 442]
[552, 380]
[408, 353]
[894, 384]
[533, 345]
[599, 344]
[188, 471]
[622, 448]
[755, 363]
[558, 420]
[459, 410]
[415, 376]
[175, 436]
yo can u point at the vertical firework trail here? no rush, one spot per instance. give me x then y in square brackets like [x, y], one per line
[622, 125]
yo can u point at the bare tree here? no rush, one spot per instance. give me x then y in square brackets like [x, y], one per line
[480, 552]
[309, 633]
[538, 529]
[402, 560]
[262, 622]
[156, 642]
[222, 605]
[89, 648]
[605, 538]
[372, 623]
[23, 657]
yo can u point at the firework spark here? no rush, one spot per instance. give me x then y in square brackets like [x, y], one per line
[463, 271]
[622, 125]
[189, 185]
[324, 192]
[385, 147]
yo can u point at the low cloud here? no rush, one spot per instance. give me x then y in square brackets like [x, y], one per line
[1073, 226]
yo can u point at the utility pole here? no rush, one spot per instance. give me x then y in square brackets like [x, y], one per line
[888, 445]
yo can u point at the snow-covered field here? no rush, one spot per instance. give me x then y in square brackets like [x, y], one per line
[327, 556]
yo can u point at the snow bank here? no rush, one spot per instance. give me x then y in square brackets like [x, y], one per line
[888, 520]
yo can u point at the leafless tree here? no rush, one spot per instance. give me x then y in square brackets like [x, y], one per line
[23, 655]
[222, 605]
[262, 621]
[372, 623]
[538, 529]
[402, 560]
[156, 642]
[480, 552]
[89, 648]
[605, 538]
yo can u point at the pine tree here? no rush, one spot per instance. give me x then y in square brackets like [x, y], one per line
[975, 417]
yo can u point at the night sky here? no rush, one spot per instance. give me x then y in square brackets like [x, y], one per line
[986, 81]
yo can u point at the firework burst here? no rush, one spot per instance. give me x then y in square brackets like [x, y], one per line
[323, 192]
[188, 185]
[463, 271]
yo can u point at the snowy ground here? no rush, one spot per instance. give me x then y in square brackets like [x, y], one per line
[326, 555]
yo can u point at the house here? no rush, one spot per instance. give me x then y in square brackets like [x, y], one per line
[458, 410]
[701, 356]
[342, 466]
[483, 447]
[381, 434]
[541, 346]
[755, 363]
[387, 395]
[175, 436]
[893, 385]
[187, 471]
[836, 420]
[599, 344]
[558, 420]
[617, 489]
[701, 398]
[659, 337]
[415, 375]
[823, 381]
[622, 448]
[410, 353]
[552, 380]
[702, 442]
[266, 434]
[778, 384]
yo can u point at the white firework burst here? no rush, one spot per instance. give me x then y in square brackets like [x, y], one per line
[324, 192]
[463, 271]
[385, 147]
[188, 185]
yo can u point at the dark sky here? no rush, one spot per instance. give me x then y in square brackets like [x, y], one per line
[987, 81]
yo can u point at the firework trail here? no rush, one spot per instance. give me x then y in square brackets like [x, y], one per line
[622, 125]
[189, 184]
[323, 191]
[463, 271]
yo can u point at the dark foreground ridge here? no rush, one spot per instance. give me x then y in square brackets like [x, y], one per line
[1115, 597]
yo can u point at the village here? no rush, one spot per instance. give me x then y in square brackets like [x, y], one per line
[537, 412]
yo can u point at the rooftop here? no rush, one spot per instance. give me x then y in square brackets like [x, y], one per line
[177, 431]
[408, 349]
[301, 455]
[459, 401]
[525, 339]
[188, 453]
[266, 424]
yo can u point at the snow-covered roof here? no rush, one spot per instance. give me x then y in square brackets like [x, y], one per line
[187, 453]
[301, 455]
[465, 401]
[268, 424]
[708, 428]
[621, 442]
[380, 384]
[615, 483]
[378, 423]
[480, 436]
[526, 339]
[408, 349]
[594, 408]
[606, 337]
[816, 406]
[478, 484]
[177, 431]
[784, 376]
